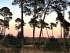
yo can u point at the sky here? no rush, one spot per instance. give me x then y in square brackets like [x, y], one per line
[27, 29]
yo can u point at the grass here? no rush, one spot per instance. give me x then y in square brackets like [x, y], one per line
[26, 49]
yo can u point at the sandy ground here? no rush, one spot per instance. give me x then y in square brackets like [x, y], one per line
[25, 50]
[38, 51]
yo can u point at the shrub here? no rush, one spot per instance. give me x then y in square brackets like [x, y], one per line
[52, 44]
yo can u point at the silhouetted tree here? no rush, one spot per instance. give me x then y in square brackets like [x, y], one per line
[63, 24]
[1, 26]
[45, 12]
[33, 23]
[24, 4]
[11, 41]
[53, 25]
[41, 25]
[6, 13]
[66, 24]
[33, 7]
[18, 25]
[47, 27]
[18, 21]
[60, 6]
[69, 14]
[52, 44]
[21, 2]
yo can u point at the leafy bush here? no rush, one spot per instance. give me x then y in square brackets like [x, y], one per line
[67, 44]
[1, 36]
[36, 44]
[52, 44]
[11, 41]
[39, 44]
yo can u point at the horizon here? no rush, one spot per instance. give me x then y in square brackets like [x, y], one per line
[27, 29]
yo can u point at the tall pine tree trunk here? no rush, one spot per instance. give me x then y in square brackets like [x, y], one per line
[40, 35]
[22, 29]
[52, 32]
[61, 30]
[44, 19]
[33, 34]
[47, 32]
[64, 27]
[4, 28]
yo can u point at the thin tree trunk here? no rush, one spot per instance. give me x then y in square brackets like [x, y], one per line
[61, 30]
[63, 22]
[34, 18]
[4, 26]
[34, 24]
[22, 29]
[18, 28]
[52, 31]
[43, 20]
[4, 31]
[47, 32]
[33, 34]
[64, 28]
[40, 35]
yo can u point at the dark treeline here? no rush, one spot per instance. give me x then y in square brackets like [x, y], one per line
[51, 44]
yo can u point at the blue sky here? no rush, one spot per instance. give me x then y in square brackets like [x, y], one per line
[14, 9]
[8, 3]
[16, 14]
